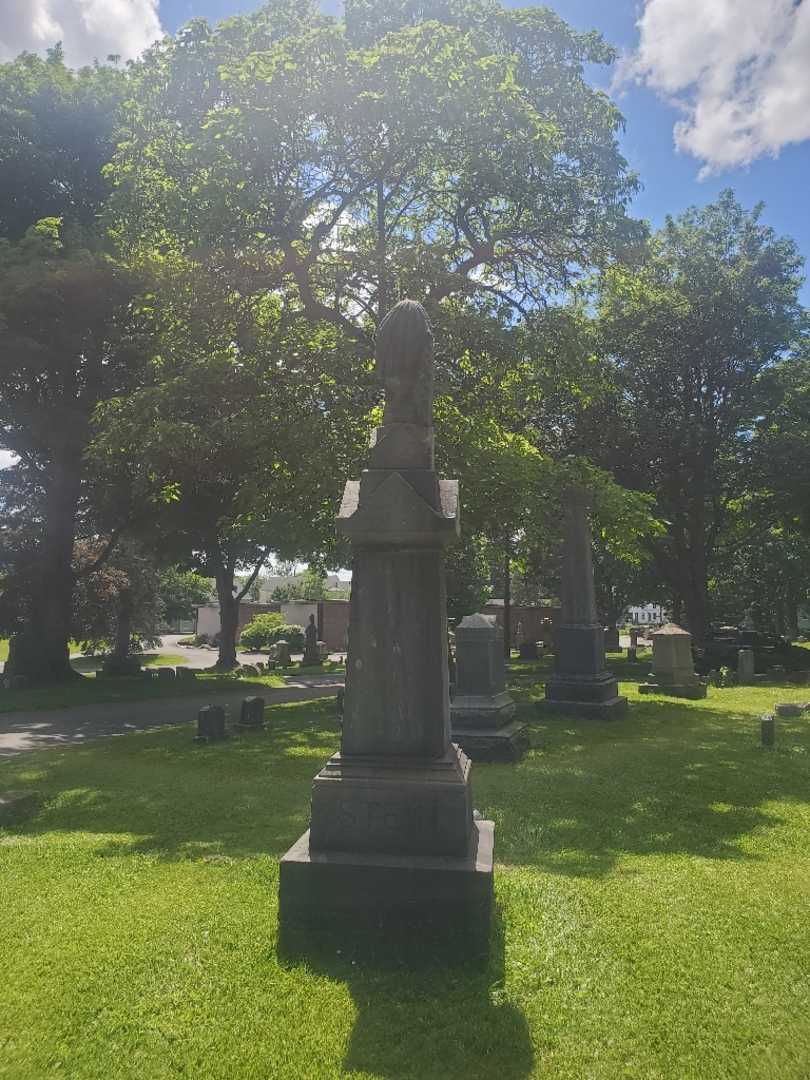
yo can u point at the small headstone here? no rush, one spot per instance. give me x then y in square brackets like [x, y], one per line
[252, 714]
[767, 728]
[612, 639]
[777, 672]
[323, 651]
[210, 724]
[528, 650]
[312, 656]
[745, 667]
[186, 673]
[673, 668]
[166, 673]
[283, 653]
[146, 673]
[789, 709]
[120, 665]
[482, 711]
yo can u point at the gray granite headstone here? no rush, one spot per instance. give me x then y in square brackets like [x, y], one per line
[482, 711]
[745, 667]
[312, 654]
[673, 667]
[392, 825]
[210, 724]
[251, 715]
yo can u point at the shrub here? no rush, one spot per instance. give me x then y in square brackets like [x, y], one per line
[292, 634]
[258, 632]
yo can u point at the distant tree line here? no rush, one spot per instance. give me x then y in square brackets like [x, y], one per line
[196, 248]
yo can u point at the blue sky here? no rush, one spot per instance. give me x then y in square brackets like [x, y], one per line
[672, 177]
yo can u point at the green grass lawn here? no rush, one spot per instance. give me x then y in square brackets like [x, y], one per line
[88, 690]
[652, 884]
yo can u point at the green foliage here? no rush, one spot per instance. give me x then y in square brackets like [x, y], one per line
[690, 333]
[257, 634]
[432, 151]
[57, 131]
[467, 570]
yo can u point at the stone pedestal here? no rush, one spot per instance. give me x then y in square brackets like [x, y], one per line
[482, 711]
[581, 685]
[673, 667]
[392, 818]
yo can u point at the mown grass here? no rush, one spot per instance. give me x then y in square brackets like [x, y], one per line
[652, 881]
[87, 690]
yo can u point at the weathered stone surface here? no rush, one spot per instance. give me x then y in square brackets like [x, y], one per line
[251, 715]
[312, 655]
[446, 888]
[392, 819]
[767, 731]
[581, 684]
[210, 724]
[673, 667]
[282, 656]
[790, 710]
[166, 673]
[612, 639]
[745, 667]
[527, 650]
[482, 709]
[186, 673]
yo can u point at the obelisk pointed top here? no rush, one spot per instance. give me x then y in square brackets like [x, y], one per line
[404, 351]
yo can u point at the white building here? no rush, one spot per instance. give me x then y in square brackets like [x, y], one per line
[645, 615]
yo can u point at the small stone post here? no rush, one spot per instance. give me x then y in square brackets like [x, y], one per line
[767, 728]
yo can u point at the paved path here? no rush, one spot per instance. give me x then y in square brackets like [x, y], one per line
[45, 729]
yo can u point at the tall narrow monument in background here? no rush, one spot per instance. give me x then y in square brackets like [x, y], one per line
[392, 820]
[581, 683]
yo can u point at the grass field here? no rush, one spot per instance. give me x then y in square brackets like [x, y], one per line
[652, 885]
[88, 690]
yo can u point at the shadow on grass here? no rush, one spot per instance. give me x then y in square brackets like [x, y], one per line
[671, 778]
[441, 1018]
[668, 779]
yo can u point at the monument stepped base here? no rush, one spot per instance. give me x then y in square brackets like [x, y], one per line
[612, 709]
[507, 743]
[314, 885]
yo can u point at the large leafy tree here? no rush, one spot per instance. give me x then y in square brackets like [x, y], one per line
[689, 336]
[57, 131]
[241, 440]
[70, 337]
[423, 150]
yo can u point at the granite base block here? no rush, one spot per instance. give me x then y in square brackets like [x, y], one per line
[612, 709]
[315, 885]
[694, 691]
[506, 743]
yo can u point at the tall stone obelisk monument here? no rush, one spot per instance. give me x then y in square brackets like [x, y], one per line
[581, 683]
[392, 821]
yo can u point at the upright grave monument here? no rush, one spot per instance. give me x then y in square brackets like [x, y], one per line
[673, 670]
[581, 684]
[392, 825]
[482, 711]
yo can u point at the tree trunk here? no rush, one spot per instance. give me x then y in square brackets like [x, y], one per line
[228, 616]
[779, 616]
[792, 615]
[507, 606]
[123, 629]
[41, 650]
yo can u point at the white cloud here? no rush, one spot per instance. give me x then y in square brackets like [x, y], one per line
[738, 69]
[88, 29]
